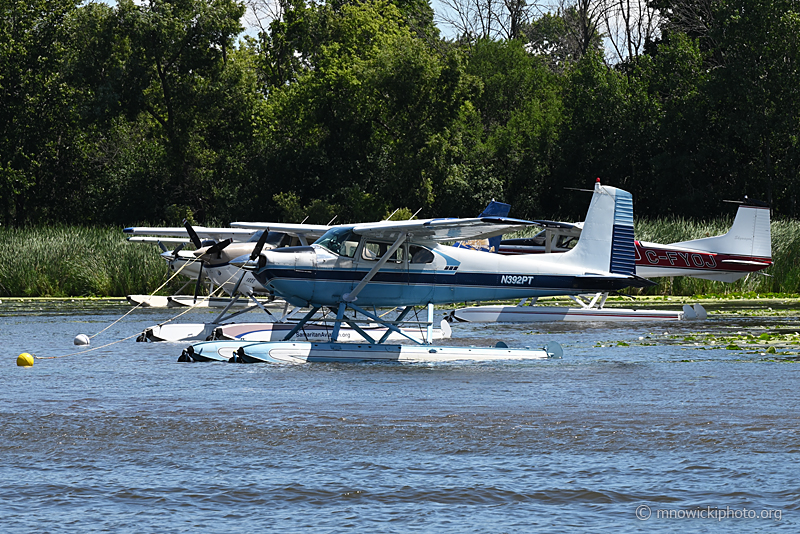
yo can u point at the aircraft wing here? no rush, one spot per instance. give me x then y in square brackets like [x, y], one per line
[313, 231]
[218, 234]
[443, 229]
[159, 239]
[558, 224]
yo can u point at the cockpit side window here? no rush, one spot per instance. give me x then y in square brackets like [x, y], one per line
[420, 254]
[274, 239]
[341, 241]
[567, 241]
[538, 239]
[373, 251]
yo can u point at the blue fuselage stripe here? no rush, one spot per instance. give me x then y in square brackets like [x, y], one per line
[325, 286]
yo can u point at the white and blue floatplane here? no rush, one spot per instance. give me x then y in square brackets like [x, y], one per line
[405, 264]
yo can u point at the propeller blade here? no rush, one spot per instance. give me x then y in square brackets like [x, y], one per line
[161, 246]
[178, 249]
[199, 282]
[259, 245]
[192, 234]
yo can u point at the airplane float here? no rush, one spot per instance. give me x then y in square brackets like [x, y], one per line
[744, 249]
[406, 264]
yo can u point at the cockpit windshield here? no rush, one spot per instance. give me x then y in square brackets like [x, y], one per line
[275, 239]
[341, 241]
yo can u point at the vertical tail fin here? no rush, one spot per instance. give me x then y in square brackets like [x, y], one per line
[494, 209]
[606, 243]
[749, 236]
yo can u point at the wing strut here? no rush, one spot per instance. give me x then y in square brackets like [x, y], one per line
[302, 323]
[353, 295]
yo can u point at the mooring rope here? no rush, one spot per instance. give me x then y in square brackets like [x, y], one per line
[159, 288]
[187, 310]
[204, 298]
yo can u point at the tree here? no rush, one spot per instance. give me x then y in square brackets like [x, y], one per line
[486, 19]
[37, 120]
[564, 37]
[756, 96]
[630, 25]
[179, 54]
[359, 124]
[512, 152]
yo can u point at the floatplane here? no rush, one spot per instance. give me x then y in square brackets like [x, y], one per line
[213, 253]
[354, 269]
[746, 248]
[215, 265]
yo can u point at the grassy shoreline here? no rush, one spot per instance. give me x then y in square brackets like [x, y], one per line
[74, 261]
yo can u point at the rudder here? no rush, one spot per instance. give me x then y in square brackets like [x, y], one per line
[606, 244]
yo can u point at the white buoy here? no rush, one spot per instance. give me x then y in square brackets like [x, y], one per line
[81, 339]
[446, 330]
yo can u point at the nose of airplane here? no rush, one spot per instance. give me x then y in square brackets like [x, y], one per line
[244, 262]
[215, 249]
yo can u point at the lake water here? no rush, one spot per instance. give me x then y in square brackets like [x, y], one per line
[611, 438]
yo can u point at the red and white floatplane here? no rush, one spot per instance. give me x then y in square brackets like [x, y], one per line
[746, 248]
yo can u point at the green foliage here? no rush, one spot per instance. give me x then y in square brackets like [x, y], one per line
[64, 261]
[368, 110]
[124, 114]
[563, 37]
[400, 214]
[38, 134]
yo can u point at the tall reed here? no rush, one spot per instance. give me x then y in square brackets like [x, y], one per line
[66, 261]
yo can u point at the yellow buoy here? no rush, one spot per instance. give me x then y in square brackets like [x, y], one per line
[25, 360]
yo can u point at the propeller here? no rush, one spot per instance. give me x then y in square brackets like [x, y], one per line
[198, 283]
[177, 249]
[259, 245]
[215, 248]
[192, 234]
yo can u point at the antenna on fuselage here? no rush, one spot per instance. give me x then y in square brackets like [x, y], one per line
[749, 202]
[331, 221]
[597, 180]
[415, 214]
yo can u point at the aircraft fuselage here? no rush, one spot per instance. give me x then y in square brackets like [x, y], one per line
[418, 275]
